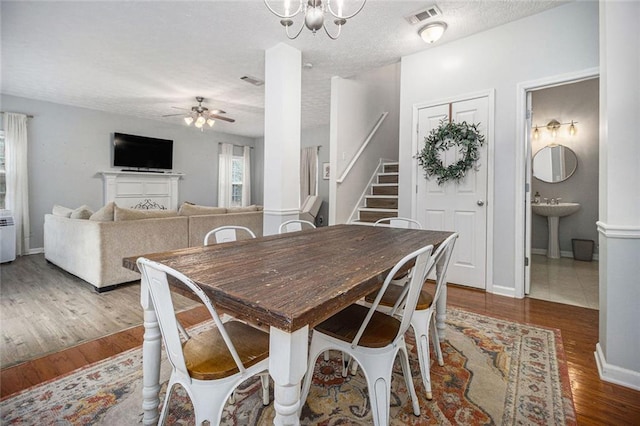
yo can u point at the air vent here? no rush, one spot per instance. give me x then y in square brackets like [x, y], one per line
[423, 15]
[253, 80]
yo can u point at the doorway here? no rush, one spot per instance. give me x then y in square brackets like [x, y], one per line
[563, 119]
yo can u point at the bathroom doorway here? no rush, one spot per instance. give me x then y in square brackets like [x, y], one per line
[562, 206]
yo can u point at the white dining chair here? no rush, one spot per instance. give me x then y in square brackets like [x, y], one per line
[208, 366]
[225, 234]
[374, 339]
[295, 225]
[398, 222]
[422, 318]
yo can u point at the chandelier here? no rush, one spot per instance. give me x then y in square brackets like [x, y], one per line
[314, 12]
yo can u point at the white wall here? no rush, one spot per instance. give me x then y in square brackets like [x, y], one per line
[68, 146]
[579, 102]
[619, 225]
[557, 41]
[356, 106]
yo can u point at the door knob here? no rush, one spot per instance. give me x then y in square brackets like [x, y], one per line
[480, 203]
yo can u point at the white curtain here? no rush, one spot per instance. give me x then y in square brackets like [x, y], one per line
[225, 159]
[308, 172]
[246, 177]
[17, 177]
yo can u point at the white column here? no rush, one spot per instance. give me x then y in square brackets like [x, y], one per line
[619, 213]
[283, 65]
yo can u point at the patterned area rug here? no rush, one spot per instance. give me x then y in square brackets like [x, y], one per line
[495, 372]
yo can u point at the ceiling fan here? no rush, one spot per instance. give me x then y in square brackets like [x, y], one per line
[200, 115]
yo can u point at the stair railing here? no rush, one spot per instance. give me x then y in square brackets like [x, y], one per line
[362, 148]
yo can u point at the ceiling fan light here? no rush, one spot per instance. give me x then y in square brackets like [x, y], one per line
[200, 121]
[432, 32]
[211, 122]
[188, 120]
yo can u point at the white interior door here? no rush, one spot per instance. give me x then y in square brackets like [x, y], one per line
[527, 199]
[462, 206]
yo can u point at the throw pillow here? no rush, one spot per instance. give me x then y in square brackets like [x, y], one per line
[188, 209]
[105, 214]
[120, 214]
[61, 211]
[82, 212]
[242, 209]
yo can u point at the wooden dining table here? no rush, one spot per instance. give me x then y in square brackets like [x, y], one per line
[287, 284]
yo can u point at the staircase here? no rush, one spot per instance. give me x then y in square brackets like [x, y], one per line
[383, 201]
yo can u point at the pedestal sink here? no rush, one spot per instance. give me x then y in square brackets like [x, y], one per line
[554, 212]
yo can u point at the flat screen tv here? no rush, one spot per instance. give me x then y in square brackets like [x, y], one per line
[142, 153]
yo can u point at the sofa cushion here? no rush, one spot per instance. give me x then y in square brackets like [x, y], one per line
[120, 214]
[61, 211]
[253, 208]
[82, 212]
[188, 209]
[105, 214]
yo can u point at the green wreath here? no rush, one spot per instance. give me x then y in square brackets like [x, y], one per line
[448, 134]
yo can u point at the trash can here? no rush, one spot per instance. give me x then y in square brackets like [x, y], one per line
[582, 249]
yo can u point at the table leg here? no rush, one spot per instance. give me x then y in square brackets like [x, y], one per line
[151, 347]
[288, 354]
[441, 308]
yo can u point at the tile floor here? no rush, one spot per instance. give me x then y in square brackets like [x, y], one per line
[565, 280]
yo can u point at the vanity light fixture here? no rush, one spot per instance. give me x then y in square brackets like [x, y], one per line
[432, 32]
[553, 126]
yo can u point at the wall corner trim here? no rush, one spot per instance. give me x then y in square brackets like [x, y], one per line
[614, 374]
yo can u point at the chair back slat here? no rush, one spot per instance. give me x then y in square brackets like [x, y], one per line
[155, 275]
[441, 257]
[294, 225]
[423, 262]
[398, 222]
[226, 234]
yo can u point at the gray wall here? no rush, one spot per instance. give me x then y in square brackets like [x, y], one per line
[319, 136]
[314, 136]
[68, 146]
[578, 102]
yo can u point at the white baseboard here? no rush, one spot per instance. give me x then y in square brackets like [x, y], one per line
[567, 254]
[502, 291]
[614, 374]
[37, 250]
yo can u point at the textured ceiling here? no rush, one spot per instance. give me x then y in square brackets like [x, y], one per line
[143, 58]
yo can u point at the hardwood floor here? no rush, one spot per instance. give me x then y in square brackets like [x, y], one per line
[596, 402]
[44, 309]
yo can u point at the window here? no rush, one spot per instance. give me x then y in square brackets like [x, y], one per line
[237, 172]
[3, 182]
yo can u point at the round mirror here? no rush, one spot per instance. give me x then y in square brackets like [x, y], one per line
[554, 163]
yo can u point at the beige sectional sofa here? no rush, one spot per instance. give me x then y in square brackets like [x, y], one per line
[93, 247]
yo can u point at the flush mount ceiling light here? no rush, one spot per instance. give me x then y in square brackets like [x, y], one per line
[314, 12]
[432, 32]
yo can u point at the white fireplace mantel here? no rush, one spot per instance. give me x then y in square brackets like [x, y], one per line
[141, 190]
